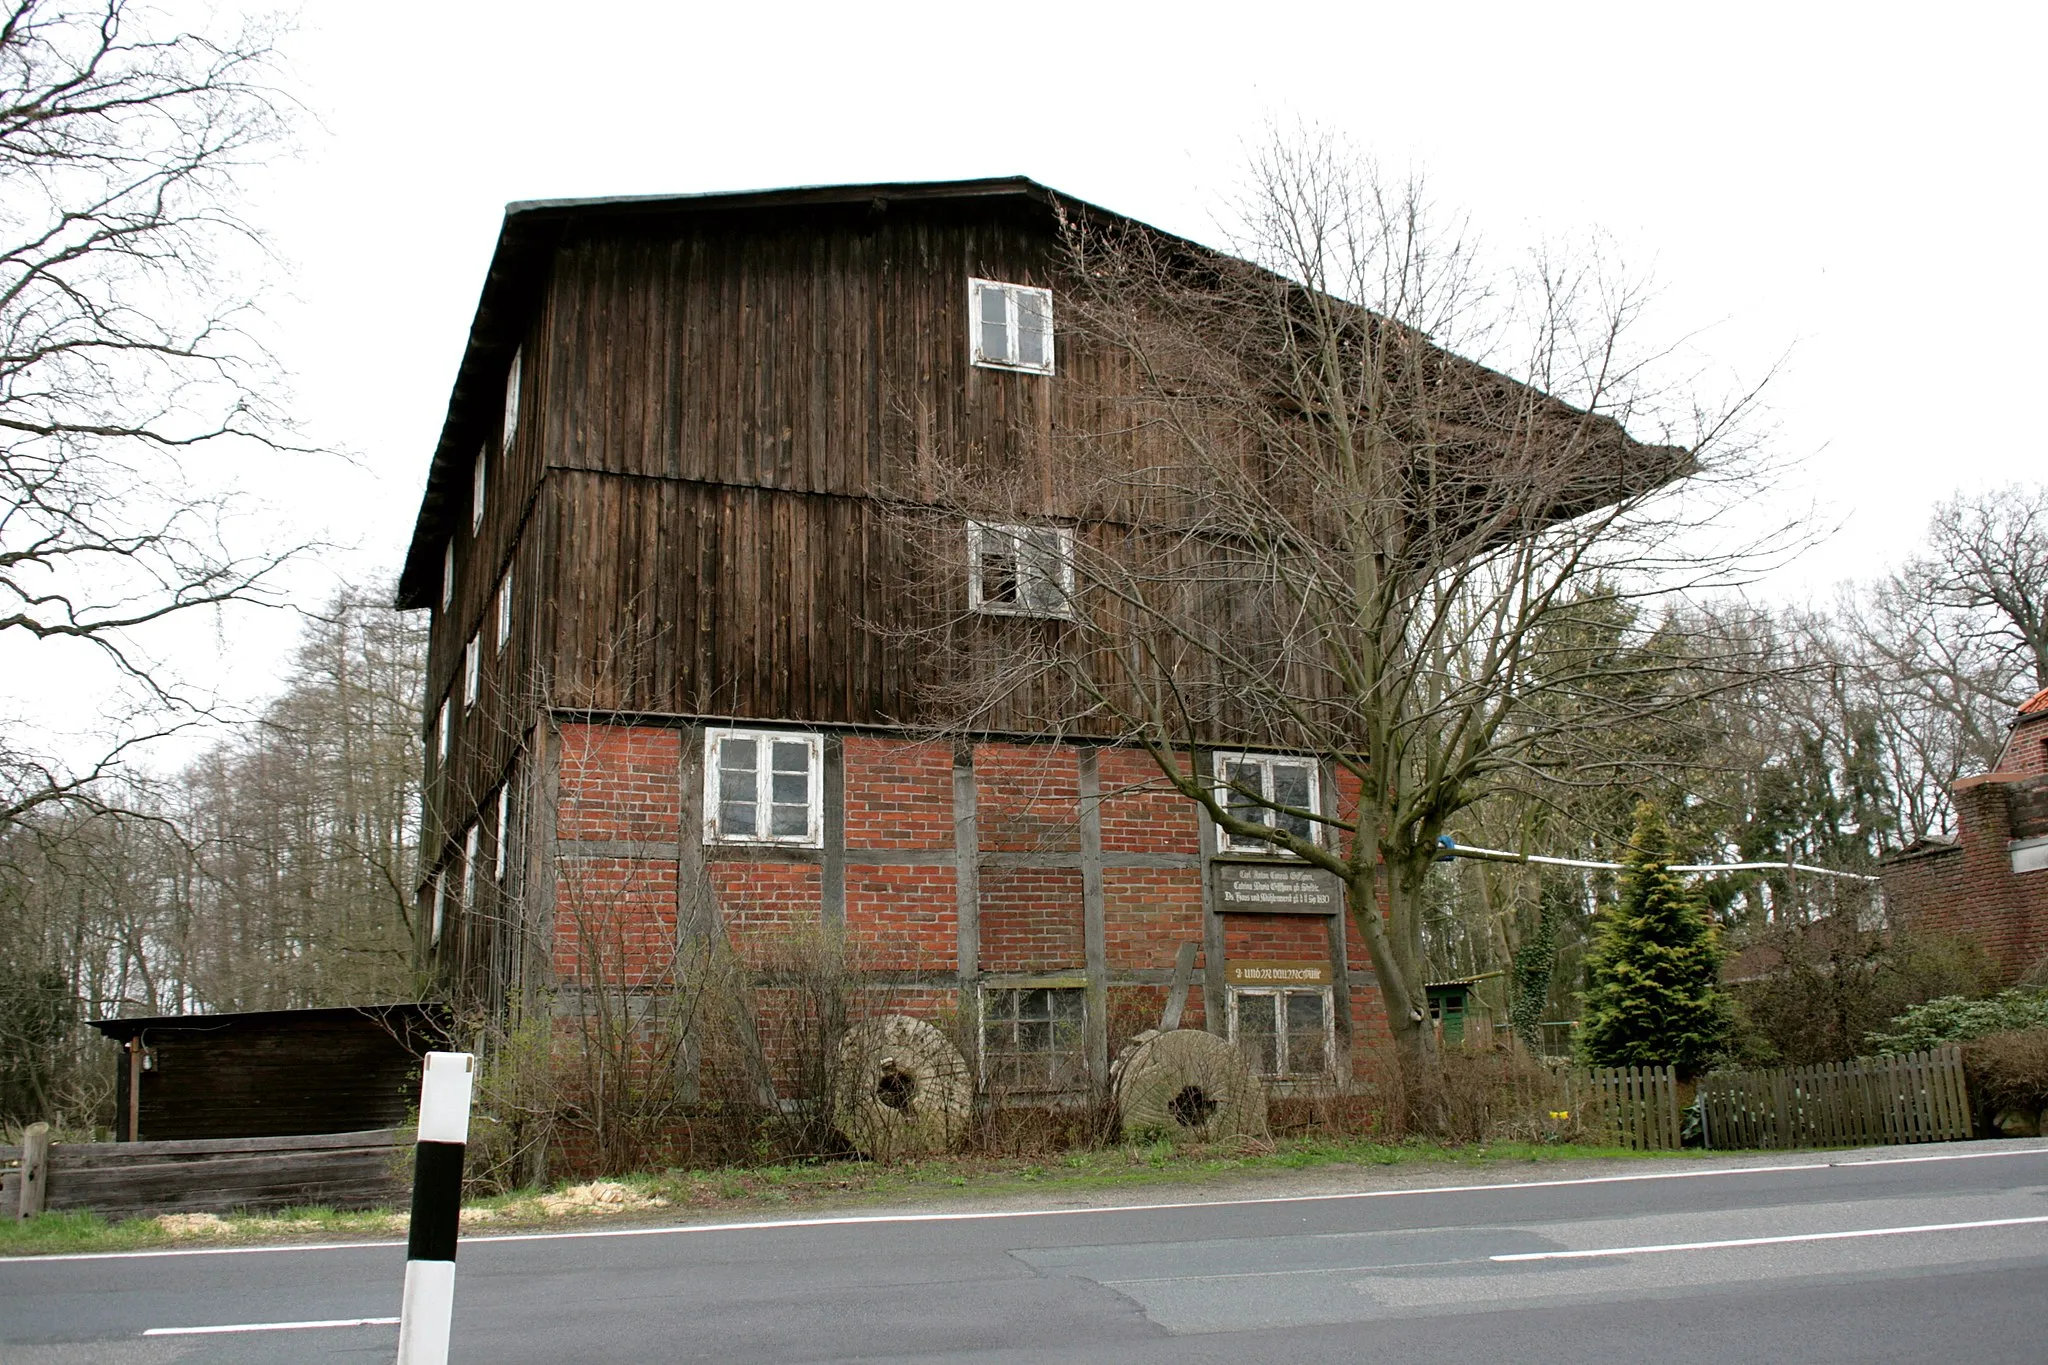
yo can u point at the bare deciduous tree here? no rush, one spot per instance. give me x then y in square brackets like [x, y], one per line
[1311, 519]
[122, 344]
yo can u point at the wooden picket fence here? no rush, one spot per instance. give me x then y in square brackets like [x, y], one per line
[1918, 1097]
[1626, 1106]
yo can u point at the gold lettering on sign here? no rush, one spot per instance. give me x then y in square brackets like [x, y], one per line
[1277, 973]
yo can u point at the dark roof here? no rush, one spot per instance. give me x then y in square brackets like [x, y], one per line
[128, 1028]
[511, 289]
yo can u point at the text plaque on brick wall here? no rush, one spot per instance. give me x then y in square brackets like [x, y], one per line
[1277, 973]
[1274, 889]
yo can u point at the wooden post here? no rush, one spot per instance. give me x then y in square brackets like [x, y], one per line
[134, 1087]
[35, 1169]
[1177, 994]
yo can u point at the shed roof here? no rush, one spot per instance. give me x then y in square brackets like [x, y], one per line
[122, 1029]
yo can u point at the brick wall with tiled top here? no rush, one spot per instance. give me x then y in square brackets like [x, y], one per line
[620, 782]
[1970, 890]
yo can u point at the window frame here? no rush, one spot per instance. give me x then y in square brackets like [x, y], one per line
[472, 672]
[479, 481]
[504, 609]
[1072, 1059]
[472, 850]
[814, 834]
[1020, 538]
[448, 574]
[504, 819]
[1229, 843]
[1277, 994]
[445, 725]
[439, 918]
[976, 287]
[509, 429]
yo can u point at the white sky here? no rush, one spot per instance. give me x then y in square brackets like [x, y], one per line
[1857, 187]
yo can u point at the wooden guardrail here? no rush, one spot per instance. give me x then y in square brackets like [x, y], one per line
[214, 1175]
[1918, 1097]
[1630, 1106]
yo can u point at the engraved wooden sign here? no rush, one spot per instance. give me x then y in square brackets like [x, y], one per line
[1275, 889]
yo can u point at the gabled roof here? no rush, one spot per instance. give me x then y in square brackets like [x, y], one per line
[530, 232]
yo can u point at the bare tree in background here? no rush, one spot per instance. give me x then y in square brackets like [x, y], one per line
[1304, 524]
[122, 347]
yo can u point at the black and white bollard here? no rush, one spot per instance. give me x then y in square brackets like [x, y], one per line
[429, 1302]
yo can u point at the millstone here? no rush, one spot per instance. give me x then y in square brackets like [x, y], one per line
[903, 1088]
[1186, 1084]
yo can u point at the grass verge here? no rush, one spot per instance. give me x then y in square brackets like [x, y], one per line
[786, 1188]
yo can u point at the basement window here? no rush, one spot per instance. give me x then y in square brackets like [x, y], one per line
[1020, 570]
[1284, 1033]
[763, 787]
[1253, 786]
[1011, 325]
[1033, 1039]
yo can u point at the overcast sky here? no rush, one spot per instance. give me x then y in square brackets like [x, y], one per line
[1855, 191]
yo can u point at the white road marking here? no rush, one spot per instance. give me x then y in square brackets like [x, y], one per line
[267, 1327]
[1766, 1241]
[844, 1220]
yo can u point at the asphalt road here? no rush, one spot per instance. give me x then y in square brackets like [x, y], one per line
[1905, 1255]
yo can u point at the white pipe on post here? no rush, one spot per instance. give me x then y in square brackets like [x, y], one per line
[428, 1307]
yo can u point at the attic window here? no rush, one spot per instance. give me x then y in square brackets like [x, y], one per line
[1011, 325]
[511, 402]
[477, 480]
[1020, 570]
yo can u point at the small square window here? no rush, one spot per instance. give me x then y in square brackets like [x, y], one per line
[1010, 325]
[472, 671]
[511, 427]
[1285, 1034]
[1033, 1039]
[479, 477]
[1268, 789]
[763, 787]
[1020, 570]
[505, 610]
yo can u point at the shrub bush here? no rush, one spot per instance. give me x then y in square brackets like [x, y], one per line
[1957, 1019]
[2009, 1070]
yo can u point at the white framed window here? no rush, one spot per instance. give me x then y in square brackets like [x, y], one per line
[1034, 1038]
[442, 727]
[511, 427]
[472, 848]
[1020, 570]
[440, 915]
[505, 609]
[763, 787]
[1285, 1032]
[479, 479]
[1252, 787]
[504, 831]
[1011, 325]
[447, 573]
[472, 671]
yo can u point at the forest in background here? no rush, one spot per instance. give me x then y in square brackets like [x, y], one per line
[277, 869]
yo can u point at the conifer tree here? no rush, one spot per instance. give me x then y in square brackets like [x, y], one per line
[1655, 997]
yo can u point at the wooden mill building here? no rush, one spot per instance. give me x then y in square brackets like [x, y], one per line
[666, 696]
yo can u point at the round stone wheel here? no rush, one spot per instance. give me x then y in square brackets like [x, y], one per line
[1188, 1085]
[903, 1088]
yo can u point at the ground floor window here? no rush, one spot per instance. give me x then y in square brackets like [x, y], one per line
[1033, 1039]
[1286, 1032]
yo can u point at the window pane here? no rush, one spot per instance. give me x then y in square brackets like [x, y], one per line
[1245, 778]
[792, 756]
[736, 819]
[1043, 558]
[1034, 328]
[737, 756]
[789, 822]
[1256, 1035]
[1293, 786]
[995, 323]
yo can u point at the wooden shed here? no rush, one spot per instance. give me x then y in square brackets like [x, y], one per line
[269, 1073]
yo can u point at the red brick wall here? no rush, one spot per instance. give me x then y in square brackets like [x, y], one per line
[620, 782]
[903, 918]
[1973, 891]
[1275, 938]
[898, 795]
[1027, 798]
[1141, 813]
[615, 921]
[2026, 751]
[1031, 919]
[1148, 912]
